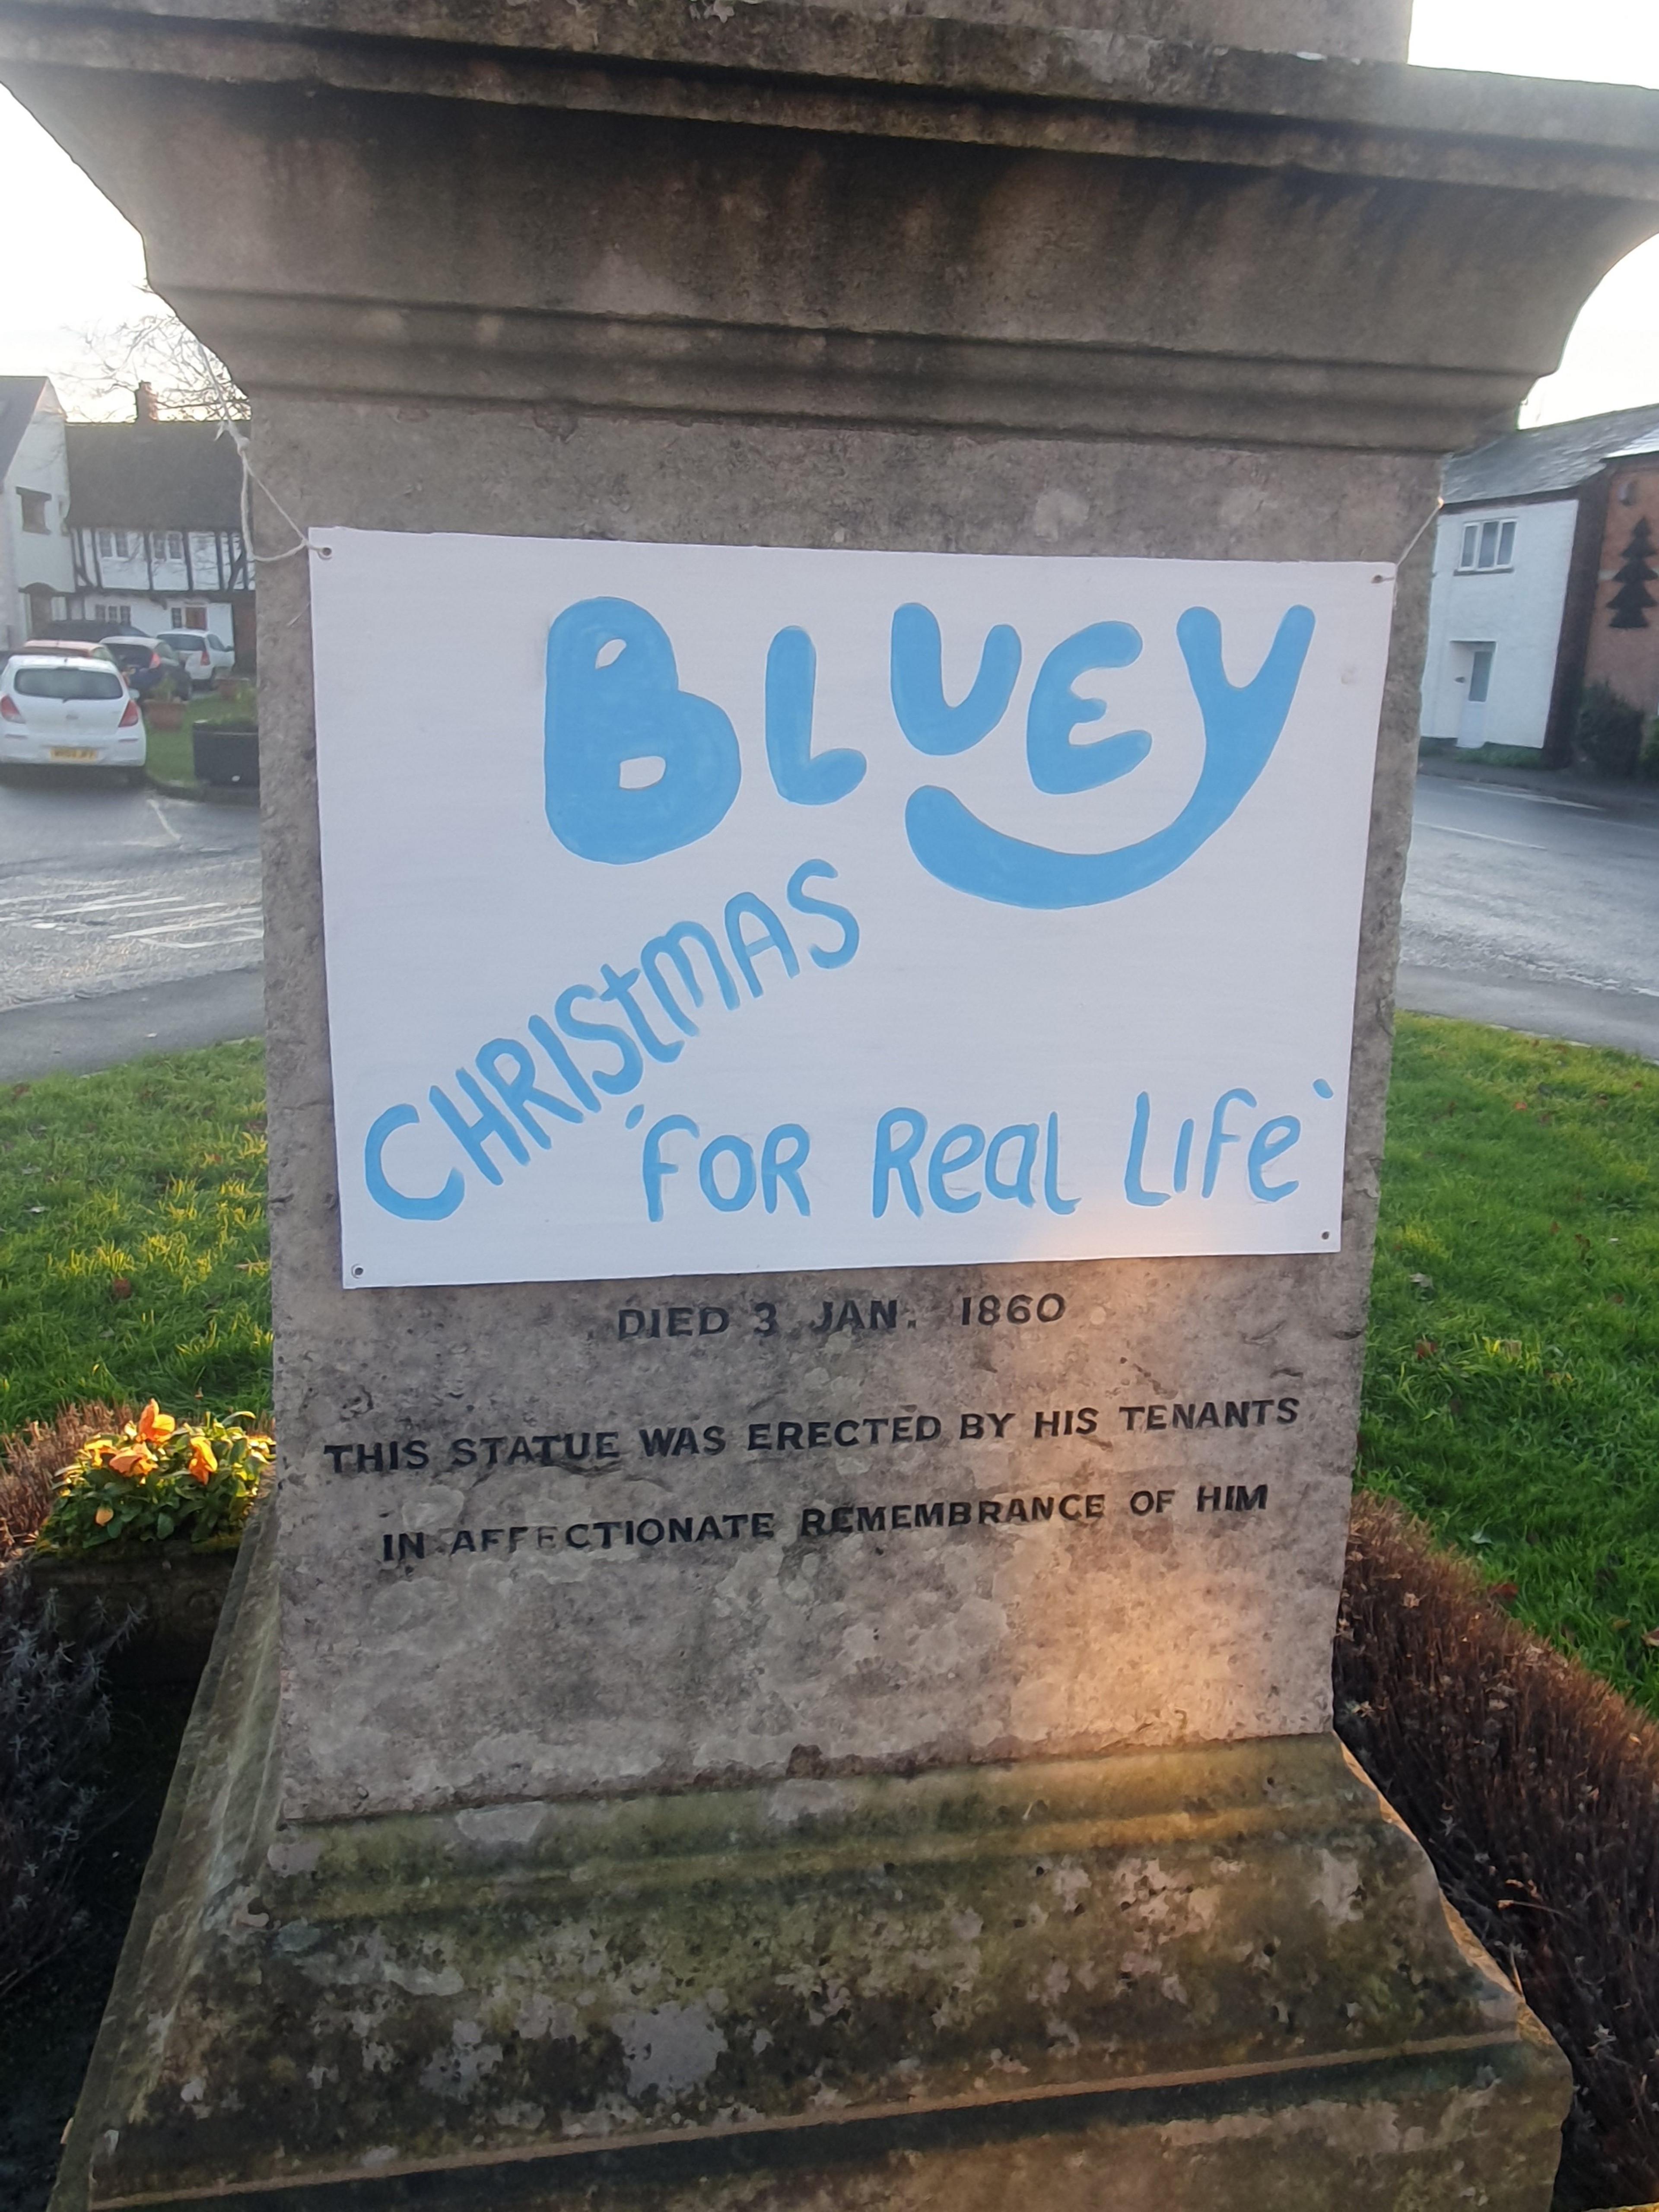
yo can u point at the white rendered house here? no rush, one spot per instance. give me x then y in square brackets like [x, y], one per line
[37, 568]
[1495, 618]
[1516, 603]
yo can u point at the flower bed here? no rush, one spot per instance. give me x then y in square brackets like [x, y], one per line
[157, 1478]
[131, 1519]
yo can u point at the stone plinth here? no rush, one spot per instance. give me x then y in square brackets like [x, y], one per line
[1187, 1980]
[839, 1867]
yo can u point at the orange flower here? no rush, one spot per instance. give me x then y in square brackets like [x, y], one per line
[104, 1516]
[154, 1425]
[135, 1461]
[201, 1461]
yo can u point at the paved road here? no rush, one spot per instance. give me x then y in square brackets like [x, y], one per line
[1535, 907]
[129, 922]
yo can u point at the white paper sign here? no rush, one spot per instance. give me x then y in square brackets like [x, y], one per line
[698, 909]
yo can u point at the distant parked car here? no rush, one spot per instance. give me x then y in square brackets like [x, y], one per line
[75, 648]
[81, 648]
[70, 710]
[150, 665]
[203, 653]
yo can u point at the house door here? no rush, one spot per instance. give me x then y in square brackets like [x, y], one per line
[1472, 722]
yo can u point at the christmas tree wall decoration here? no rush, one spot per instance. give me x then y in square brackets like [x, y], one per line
[1630, 602]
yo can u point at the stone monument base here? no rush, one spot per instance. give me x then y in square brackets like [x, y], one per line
[1175, 1981]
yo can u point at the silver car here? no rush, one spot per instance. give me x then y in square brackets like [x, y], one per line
[204, 654]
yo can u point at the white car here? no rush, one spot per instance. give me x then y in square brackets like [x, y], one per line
[204, 655]
[58, 711]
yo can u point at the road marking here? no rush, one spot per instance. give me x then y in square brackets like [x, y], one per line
[76, 911]
[112, 911]
[124, 902]
[1526, 797]
[199, 943]
[235, 918]
[1482, 836]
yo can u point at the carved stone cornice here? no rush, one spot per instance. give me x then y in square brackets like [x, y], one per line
[922, 221]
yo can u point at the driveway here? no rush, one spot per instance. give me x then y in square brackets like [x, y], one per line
[129, 922]
[1533, 901]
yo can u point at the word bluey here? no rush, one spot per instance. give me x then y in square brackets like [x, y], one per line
[635, 767]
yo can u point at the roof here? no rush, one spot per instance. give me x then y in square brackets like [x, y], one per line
[153, 476]
[19, 397]
[1556, 457]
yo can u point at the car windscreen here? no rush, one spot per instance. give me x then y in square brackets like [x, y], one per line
[131, 656]
[184, 641]
[67, 684]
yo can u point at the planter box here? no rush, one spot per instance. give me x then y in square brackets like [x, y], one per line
[178, 1592]
[164, 715]
[227, 753]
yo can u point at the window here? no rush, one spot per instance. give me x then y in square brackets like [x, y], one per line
[112, 545]
[67, 684]
[188, 618]
[117, 617]
[1480, 662]
[1488, 545]
[36, 511]
[167, 544]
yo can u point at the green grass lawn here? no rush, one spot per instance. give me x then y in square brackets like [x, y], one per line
[132, 1235]
[167, 752]
[1512, 1383]
[1512, 1386]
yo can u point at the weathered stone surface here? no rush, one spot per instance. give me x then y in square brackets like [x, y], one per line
[1351, 30]
[982, 227]
[853, 1651]
[1226, 1974]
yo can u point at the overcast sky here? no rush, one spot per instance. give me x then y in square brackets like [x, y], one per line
[70, 263]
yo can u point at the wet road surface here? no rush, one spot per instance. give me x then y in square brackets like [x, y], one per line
[1536, 907]
[130, 922]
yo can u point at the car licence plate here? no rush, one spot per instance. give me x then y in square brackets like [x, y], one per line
[72, 752]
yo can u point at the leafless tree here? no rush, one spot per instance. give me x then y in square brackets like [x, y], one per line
[182, 381]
